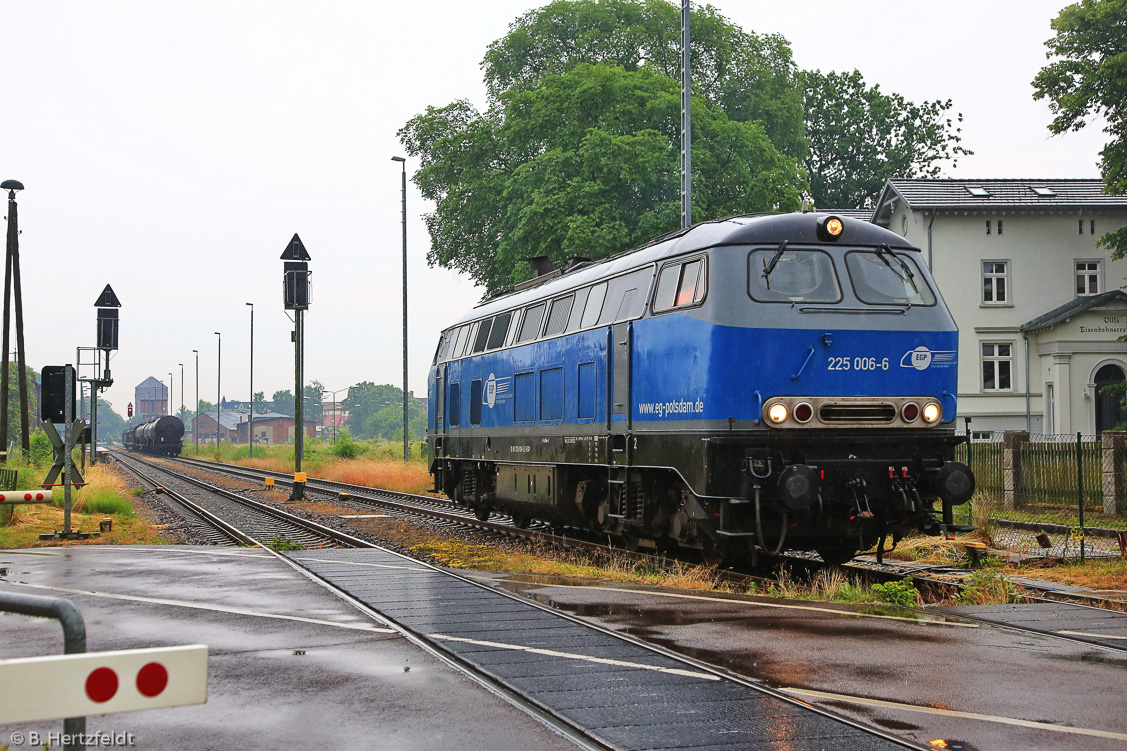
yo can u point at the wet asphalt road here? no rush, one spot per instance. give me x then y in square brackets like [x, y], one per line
[918, 675]
[349, 690]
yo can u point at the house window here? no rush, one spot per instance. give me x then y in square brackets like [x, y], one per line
[988, 226]
[999, 226]
[1087, 278]
[1081, 226]
[997, 367]
[1092, 227]
[995, 282]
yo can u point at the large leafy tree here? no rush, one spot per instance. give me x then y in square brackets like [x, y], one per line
[377, 412]
[752, 77]
[1087, 80]
[584, 164]
[283, 402]
[860, 137]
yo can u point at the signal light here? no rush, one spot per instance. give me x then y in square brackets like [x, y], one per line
[830, 228]
[932, 412]
[777, 413]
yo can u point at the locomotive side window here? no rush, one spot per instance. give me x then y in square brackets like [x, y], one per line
[625, 298]
[792, 276]
[475, 401]
[454, 403]
[499, 330]
[557, 318]
[577, 308]
[514, 329]
[681, 284]
[883, 277]
[594, 305]
[482, 336]
[533, 317]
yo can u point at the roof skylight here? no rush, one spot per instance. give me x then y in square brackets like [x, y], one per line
[1043, 191]
[978, 191]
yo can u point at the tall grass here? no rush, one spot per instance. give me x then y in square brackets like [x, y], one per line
[106, 492]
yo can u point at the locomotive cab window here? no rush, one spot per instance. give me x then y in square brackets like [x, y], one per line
[787, 275]
[680, 285]
[594, 305]
[884, 277]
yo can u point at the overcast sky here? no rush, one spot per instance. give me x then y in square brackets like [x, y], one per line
[171, 149]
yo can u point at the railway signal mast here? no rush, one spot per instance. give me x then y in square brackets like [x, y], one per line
[295, 286]
[12, 273]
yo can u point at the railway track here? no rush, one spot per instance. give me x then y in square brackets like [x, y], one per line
[237, 519]
[243, 521]
[447, 512]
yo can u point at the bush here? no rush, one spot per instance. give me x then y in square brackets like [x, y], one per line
[902, 593]
[987, 588]
[345, 447]
[40, 448]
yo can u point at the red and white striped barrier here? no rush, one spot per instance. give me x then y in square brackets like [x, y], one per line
[27, 496]
[93, 683]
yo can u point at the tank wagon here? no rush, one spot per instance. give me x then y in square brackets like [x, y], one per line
[755, 383]
[157, 435]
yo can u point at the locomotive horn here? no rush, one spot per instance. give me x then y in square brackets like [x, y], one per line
[955, 483]
[798, 487]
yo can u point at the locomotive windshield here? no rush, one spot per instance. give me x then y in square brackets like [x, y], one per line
[883, 277]
[797, 276]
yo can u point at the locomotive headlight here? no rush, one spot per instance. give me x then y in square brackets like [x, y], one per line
[777, 413]
[932, 412]
[830, 228]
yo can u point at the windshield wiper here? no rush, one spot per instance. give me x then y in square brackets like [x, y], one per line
[768, 267]
[883, 249]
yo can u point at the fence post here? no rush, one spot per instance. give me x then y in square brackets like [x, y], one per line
[1012, 441]
[1080, 488]
[1111, 444]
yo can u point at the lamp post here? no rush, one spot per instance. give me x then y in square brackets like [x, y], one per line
[250, 425]
[181, 387]
[196, 427]
[403, 163]
[171, 386]
[12, 274]
[218, 383]
[336, 410]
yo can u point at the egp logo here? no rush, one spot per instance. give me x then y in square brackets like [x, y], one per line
[922, 358]
[491, 391]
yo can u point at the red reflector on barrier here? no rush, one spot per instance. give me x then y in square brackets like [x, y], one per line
[39, 496]
[101, 685]
[27, 496]
[152, 679]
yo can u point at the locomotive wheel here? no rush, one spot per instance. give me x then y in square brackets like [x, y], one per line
[836, 556]
[482, 514]
[521, 521]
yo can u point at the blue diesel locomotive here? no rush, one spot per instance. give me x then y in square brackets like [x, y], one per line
[764, 382]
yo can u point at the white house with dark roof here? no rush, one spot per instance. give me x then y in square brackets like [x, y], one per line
[1038, 305]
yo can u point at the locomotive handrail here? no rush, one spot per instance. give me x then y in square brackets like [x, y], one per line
[954, 404]
[857, 311]
[796, 375]
[759, 396]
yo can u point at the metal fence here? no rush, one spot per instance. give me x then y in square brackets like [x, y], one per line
[8, 479]
[1051, 495]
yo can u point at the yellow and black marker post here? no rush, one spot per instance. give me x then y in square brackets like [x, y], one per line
[298, 493]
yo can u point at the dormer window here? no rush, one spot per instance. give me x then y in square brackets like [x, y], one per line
[978, 191]
[1043, 191]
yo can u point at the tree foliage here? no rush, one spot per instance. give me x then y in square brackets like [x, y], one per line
[283, 402]
[1088, 80]
[752, 77]
[860, 137]
[585, 164]
[377, 412]
[14, 400]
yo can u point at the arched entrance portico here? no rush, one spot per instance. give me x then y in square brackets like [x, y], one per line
[1109, 407]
